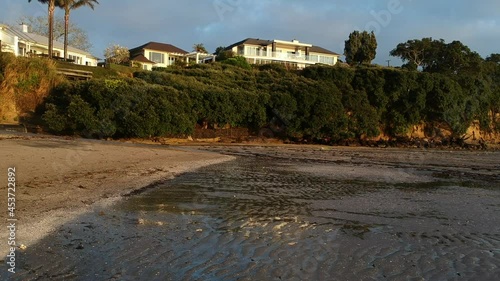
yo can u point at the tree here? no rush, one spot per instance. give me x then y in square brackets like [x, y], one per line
[495, 58]
[69, 5]
[438, 56]
[219, 50]
[361, 48]
[51, 7]
[116, 54]
[415, 53]
[77, 37]
[456, 58]
[222, 54]
[199, 48]
[492, 70]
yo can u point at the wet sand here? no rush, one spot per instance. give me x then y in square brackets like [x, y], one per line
[60, 179]
[292, 213]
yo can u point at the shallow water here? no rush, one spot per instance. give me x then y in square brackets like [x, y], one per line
[273, 219]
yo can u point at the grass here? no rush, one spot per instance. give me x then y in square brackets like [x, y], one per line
[25, 84]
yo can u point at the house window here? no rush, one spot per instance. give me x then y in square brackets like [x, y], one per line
[313, 58]
[251, 51]
[145, 67]
[75, 59]
[157, 57]
[326, 60]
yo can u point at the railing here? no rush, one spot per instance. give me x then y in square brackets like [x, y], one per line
[75, 74]
[288, 56]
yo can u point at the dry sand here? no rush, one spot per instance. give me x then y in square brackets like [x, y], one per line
[59, 179]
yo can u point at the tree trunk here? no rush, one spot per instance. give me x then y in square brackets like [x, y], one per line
[66, 29]
[51, 26]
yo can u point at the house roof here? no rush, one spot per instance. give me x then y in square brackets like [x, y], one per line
[250, 41]
[261, 42]
[162, 47]
[42, 40]
[142, 58]
[317, 49]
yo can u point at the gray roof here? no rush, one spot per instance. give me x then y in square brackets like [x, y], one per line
[317, 49]
[251, 41]
[261, 42]
[42, 40]
[156, 46]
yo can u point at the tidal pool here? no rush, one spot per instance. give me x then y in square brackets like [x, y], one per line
[259, 218]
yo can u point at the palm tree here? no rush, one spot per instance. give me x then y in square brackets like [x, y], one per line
[52, 6]
[199, 48]
[69, 5]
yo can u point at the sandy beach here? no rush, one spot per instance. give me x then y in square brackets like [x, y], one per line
[265, 211]
[59, 179]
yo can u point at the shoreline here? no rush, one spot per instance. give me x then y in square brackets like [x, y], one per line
[58, 180]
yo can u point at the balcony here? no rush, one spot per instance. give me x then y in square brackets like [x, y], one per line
[288, 57]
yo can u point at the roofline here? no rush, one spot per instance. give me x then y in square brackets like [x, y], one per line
[143, 47]
[242, 42]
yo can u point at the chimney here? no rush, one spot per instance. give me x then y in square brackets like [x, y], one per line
[295, 41]
[25, 27]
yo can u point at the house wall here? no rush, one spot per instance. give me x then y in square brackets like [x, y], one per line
[169, 59]
[7, 42]
[256, 57]
[322, 56]
[143, 65]
[11, 43]
[158, 64]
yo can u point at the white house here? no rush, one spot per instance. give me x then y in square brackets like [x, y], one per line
[23, 43]
[154, 54]
[295, 53]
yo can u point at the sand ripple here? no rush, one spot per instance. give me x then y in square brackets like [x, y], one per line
[271, 220]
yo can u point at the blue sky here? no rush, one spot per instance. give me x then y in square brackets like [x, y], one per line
[326, 23]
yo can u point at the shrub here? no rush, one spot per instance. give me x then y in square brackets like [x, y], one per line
[238, 61]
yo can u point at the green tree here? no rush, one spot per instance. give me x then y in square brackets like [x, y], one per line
[492, 71]
[415, 53]
[219, 50]
[223, 54]
[495, 58]
[438, 56]
[456, 58]
[68, 6]
[360, 48]
[200, 48]
[51, 8]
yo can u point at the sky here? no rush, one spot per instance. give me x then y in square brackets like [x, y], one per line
[325, 23]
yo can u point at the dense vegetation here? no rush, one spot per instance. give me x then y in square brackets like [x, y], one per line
[24, 83]
[450, 91]
[319, 102]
